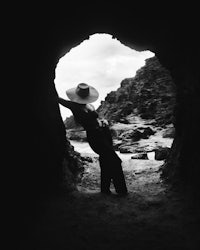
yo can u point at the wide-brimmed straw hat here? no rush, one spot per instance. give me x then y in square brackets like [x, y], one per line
[83, 94]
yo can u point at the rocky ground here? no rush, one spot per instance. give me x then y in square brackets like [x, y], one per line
[138, 136]
[141, 135]
[152, 216]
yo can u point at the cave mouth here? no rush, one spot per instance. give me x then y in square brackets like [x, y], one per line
[101, 61]
[110, 66]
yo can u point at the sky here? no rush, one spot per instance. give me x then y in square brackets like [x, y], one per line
[101, 61]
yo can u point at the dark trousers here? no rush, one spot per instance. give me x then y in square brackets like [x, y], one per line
[100, 141]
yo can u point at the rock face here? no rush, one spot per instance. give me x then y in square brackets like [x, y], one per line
[70, 123]
[150, 94]
[76, 134]
[73, 166]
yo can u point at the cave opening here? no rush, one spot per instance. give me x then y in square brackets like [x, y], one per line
[137, 97]
[101, 60]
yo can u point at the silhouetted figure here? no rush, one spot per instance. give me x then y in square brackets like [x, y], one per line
[98, 135]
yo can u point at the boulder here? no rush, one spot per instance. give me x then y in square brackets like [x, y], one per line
[142, 156]
[126, 149]
[169, 133]
[86, 158]
[137, 134]
[76, 135]
[147, 132]
[161, 153]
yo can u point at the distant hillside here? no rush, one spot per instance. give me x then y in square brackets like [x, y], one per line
[150, 95]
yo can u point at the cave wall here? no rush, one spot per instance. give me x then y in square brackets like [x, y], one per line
[41, 39]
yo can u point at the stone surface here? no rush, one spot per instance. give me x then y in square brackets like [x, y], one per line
[139, 156]
[162, 153]
[150, 94]
[76, 134]
[169, 132]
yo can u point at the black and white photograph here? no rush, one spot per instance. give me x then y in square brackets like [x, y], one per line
[107, 151]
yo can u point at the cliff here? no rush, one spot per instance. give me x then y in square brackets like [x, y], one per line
[150, 95]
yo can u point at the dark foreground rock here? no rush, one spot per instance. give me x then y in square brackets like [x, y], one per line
[162, 153]
[137, 134]
[138, 156]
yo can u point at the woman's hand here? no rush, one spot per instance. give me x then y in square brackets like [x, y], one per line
[103, 122]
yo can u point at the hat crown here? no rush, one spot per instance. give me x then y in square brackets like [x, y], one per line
[82, 90]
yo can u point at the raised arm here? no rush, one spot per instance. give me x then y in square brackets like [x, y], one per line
[65, 103]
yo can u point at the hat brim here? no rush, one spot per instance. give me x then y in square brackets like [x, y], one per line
[74, 97]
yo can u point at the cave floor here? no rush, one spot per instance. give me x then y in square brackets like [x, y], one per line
[152, 216]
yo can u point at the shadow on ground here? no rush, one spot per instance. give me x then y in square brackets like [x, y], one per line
[152, 216]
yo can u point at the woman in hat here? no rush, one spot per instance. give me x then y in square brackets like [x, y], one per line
[98, 135]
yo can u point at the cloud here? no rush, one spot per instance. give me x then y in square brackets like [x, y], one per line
[101, 61]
